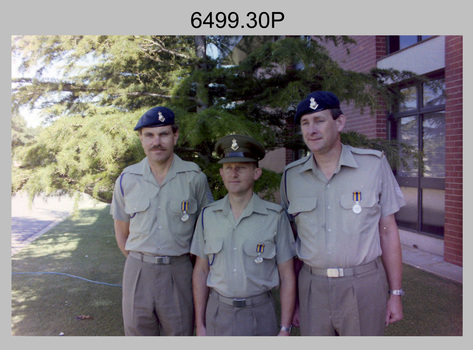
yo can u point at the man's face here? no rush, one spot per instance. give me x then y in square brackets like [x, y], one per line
[239, 178]
[158, 143]
[320, 132]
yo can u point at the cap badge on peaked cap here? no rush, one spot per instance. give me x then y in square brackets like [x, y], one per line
[234, 145]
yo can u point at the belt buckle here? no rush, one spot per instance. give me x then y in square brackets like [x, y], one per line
[334, 272]
[164, 260]
[239, 302]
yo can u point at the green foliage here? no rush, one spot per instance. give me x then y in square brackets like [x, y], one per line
[398, 154]
[91, 90]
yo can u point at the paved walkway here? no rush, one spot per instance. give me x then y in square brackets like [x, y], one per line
[30, 222]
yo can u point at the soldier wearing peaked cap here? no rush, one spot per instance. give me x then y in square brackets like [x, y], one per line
[155, 205]
[342, 201]
[244, 248]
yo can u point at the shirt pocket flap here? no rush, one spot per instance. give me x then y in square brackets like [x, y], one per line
[213, 247]
[266, 249]
[179, 206]
[136, 205]
[368, 200]
[302, 205]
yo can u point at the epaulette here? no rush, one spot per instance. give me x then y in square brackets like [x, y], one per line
[297, 162]
[273, 206]
[366, 151]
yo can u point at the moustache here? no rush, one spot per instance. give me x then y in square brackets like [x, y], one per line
[157, 148]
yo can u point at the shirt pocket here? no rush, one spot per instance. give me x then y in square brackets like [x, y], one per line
[263, 249]
[177, 208]
[368, 201]
[302, 206]
[212, 250]
[137, 208]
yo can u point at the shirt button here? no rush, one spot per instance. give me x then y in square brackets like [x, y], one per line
[159, 227]
[328, 207]
[234, 248]
[234, 270]
[329, 230]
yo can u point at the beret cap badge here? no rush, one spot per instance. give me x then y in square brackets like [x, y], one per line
[161, 117]
[313, 105]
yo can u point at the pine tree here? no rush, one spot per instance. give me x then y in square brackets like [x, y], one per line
[104, 84]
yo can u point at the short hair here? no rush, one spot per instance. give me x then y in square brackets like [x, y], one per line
[336, 112]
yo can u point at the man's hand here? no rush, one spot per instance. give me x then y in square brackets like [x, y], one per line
[394, 310]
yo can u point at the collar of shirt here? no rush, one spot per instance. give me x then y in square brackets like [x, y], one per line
[346, 159]
[255, 205]
[144, 169]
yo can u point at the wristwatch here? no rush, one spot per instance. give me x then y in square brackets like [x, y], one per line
[286, 329]
[399, 292]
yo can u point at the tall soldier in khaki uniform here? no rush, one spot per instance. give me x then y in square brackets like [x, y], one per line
[244, 248]
[342, 200]
[155, 205]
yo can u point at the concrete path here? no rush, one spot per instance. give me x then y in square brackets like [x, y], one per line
[31, 220]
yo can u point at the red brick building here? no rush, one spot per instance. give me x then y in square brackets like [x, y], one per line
[430, 120]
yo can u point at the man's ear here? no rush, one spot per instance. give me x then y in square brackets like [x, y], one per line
[341, 120]
[257, 173]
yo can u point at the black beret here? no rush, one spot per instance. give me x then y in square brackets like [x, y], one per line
[316, 102]
[157, 116]
[239, 149]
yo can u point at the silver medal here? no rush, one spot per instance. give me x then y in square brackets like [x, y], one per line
[184, 217]
[258, 260]
[357, 208]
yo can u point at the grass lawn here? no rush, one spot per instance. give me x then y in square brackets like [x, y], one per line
[84, 246]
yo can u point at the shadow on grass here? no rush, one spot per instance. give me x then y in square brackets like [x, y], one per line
[85, 246]
[48, 304]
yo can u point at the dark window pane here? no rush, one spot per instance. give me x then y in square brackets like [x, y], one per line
[407, 40]
[433, 128]
[410, 99]
[407, 215]
[433, 211]
[434, 93]
[408, 128]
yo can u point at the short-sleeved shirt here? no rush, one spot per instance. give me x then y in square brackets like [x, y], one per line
[155, 212]
[331, 233]
[232, 247]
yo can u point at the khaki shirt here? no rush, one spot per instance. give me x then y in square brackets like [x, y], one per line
[231, 247]
[330, 233]
[155, 212]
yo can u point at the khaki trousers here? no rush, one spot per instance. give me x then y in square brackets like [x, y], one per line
[252, 320]
[157, 299]
[347, 306]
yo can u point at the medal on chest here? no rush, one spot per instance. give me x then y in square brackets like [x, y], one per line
[259, 250]
[357, 199]
[184, 209]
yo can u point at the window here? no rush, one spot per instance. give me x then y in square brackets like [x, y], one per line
[399, 42]
[420, 122]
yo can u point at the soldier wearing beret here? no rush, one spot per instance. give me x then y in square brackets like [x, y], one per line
[155, 205]
[342, 201]
[244, 249]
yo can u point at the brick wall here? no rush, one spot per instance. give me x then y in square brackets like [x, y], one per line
[362, 58]
[453, 238]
